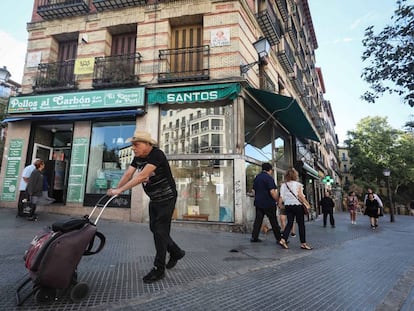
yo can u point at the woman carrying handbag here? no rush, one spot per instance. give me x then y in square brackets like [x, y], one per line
[296, 206]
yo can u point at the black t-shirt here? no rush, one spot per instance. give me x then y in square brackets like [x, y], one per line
[161, 185]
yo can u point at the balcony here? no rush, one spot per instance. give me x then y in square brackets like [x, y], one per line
[283, 9]
[270, 25]
[184, 64]
[116, 71]
[54, 9]
[285, 56]
[57, 76]
[292, 31]
[102, 5]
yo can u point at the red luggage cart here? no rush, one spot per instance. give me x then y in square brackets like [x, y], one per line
[54, 254]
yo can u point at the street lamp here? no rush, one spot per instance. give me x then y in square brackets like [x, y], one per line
[387, 173]
[262, 47]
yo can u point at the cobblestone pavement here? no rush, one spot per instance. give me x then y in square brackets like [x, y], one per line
[350, 268]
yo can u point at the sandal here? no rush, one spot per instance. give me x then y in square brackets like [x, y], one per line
[283, 244]
[305, 246]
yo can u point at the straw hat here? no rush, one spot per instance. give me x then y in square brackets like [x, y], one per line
[143, 137]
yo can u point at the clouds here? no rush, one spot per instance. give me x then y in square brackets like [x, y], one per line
[12, 55]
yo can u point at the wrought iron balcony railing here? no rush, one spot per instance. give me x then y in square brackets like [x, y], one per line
[270, 25]
[184, 64]
[285, 56]
[115, 71]
[55, 76]
[102, 5]
[51, 9]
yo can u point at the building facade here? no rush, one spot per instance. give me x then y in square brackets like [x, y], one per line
[191, 74]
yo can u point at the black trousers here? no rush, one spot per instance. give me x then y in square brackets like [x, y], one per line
[326, 212]
[292, 212]
[271, 215]
[160, 215]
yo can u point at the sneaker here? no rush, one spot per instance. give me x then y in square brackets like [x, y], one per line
[154, 275]
[173, 260]
[255, 240]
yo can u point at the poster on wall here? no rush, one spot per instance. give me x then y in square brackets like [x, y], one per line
[220, 37]
[10, 182]
[77, 171]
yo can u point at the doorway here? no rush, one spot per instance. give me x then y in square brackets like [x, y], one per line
[53, 144]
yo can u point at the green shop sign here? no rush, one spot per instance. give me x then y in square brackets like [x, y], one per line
[200, 93]
[78, 101]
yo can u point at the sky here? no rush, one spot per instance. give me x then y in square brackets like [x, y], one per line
[339, 27]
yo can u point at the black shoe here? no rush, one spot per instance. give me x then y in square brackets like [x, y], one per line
[255, 240]
[154, 275]
[293, 234]
[32, 218]
[173, 260]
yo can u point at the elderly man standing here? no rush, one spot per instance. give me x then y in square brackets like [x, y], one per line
[327, 205]
[154, 173]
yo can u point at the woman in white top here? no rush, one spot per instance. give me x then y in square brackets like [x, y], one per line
[292, 197]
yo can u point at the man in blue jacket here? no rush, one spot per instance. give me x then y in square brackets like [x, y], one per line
[265, 198]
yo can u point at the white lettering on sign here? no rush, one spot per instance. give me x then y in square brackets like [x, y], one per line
[60, 100]
[192, 97]
[15, 103]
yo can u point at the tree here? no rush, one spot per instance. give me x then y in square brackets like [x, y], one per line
[373, 146]
[391, 57]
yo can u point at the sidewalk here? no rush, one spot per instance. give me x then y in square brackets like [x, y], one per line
[350, 268]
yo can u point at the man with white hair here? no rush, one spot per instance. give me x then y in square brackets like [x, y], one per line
[154, 173]
[27, 171]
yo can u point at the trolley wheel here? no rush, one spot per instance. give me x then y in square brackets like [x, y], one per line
[45, 295]
[79, 291]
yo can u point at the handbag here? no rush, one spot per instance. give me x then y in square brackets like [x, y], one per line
[305, 209]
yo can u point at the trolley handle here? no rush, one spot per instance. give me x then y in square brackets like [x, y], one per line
[102, 204]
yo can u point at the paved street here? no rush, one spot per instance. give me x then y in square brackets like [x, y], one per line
[350, 268]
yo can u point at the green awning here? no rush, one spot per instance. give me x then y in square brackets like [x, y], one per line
[193, 94]
[287, 111]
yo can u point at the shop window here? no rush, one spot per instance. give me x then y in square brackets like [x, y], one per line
[196, 135]
[110, 155]
[205, 190]
[251, 172]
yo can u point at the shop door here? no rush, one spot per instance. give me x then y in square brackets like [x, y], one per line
[42, 152]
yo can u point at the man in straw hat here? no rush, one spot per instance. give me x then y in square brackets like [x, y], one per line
[154, 173]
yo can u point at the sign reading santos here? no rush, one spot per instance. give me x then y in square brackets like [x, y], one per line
[192, 96]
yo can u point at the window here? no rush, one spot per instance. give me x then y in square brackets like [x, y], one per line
[109, 156]
[197, 136]
[205, 187]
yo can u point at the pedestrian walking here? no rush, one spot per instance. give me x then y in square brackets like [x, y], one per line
[372, 210]
[35, 187]
[378, 199]
[352, 204]
[283, 221]
[327, 205]
[265, 198]
[291, 195]
[154, 173]
[27, 171]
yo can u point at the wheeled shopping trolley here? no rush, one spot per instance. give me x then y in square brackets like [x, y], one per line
[54, 254]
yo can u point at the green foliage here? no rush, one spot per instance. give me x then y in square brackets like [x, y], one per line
[374, 146]
[391, 57]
